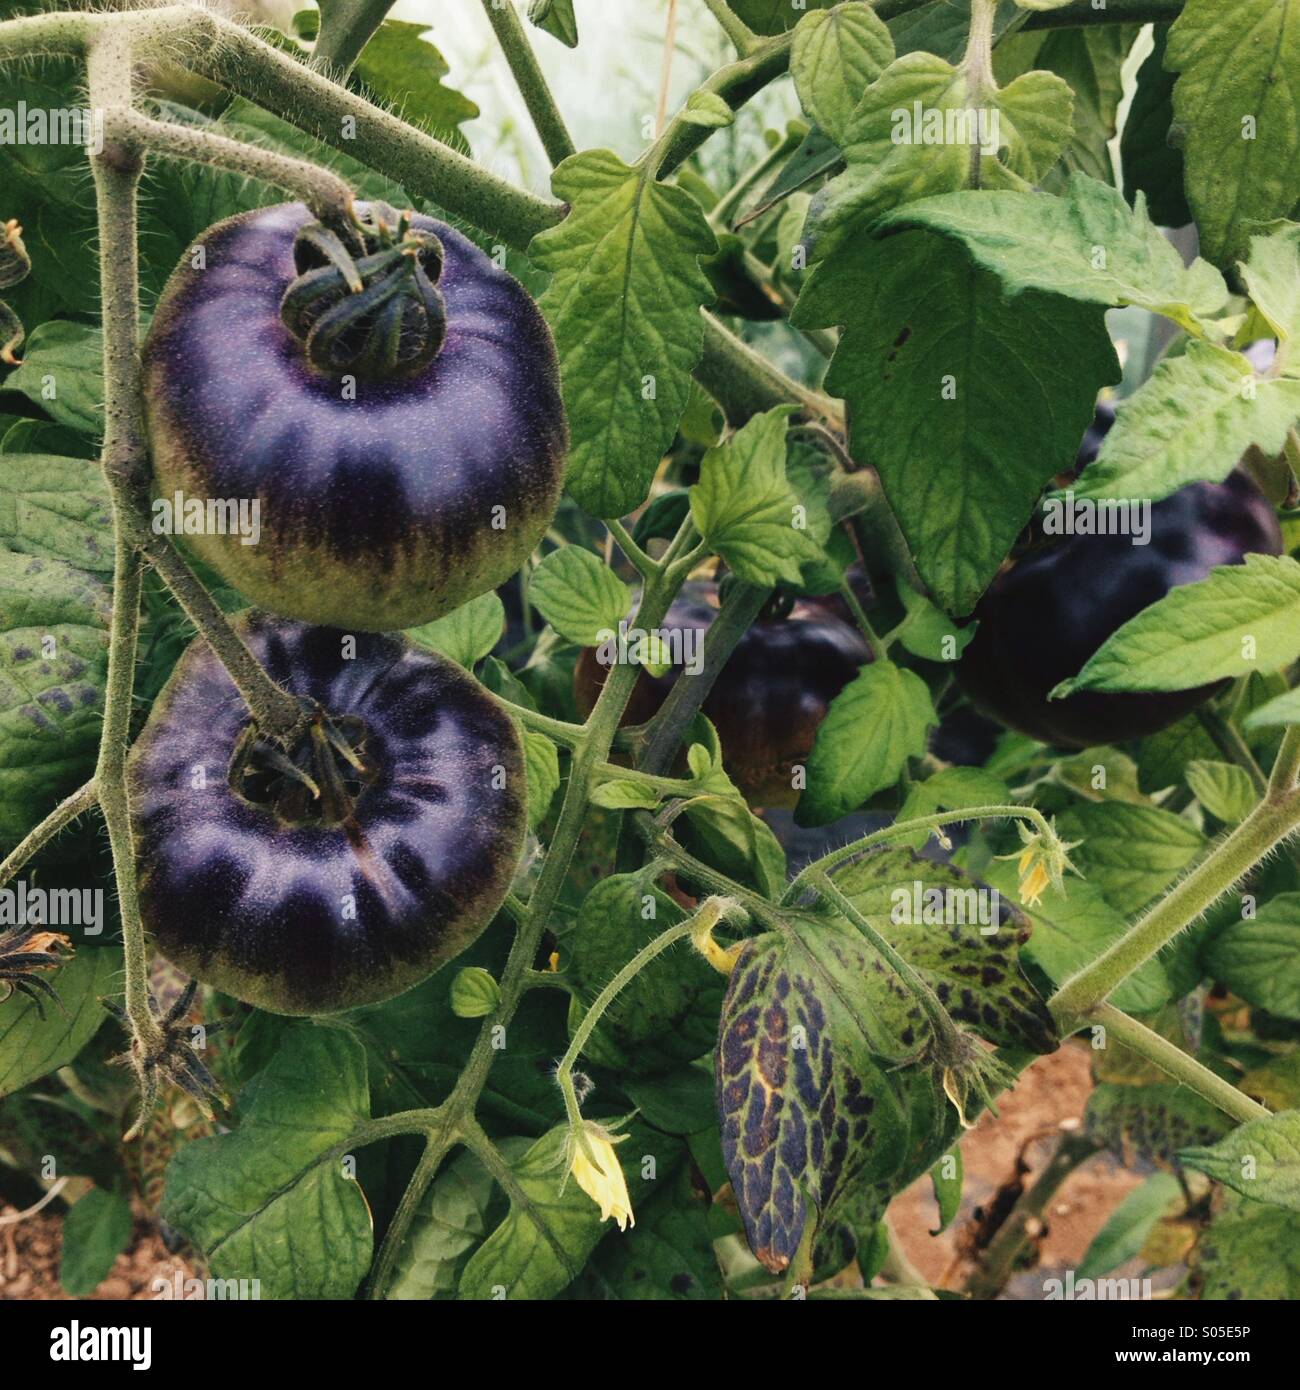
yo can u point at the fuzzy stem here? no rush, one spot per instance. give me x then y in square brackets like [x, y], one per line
[1286, 767]
[530, 80]
[743, 38]
[346, 26]
[1226, 864]
[570, 735]
[1173, 1061]
[35, 840]
[1233, 747]
[639, 560]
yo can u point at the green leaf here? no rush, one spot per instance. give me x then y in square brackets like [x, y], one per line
[405, 71]
[624, 302]
[775, 16]
[623, 794]
[468, 633]
[1260, 1159]
[874, 725]
[1236, 98]
[707, 109]
[474, 992]
[549, 1235]
[745, 507]
[95, 1232]
[556, 17]
[667, 1015]
[272, 1201]
[959, 396]
[805, 1104]
[1152, 1122]
[1191, 422]
[1087, 245]
[1259, 958]
[927, 631]
[31, 1046]
[56, 507]
[890, 163]
[953, 789]
[678, 1102]
[1272, 276]
[578, 595]
[1125, 1232]
[1285, 709]
[1152, 166]
[943, 26]
[1129, 853]
[836, 55]
[53, 665]
[1242, 619]
[947, 1189]
[450, 1222]
[62, 373]
[1251, 1251]
[951, 928]
[1224, 789]
[542, 768]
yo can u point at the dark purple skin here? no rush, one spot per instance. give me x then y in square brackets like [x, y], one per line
[376, 512]
[256, 908]
[1042, 619]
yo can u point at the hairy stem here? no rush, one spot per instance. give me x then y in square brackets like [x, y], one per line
[743, 38]
[35, 840]
[1173, 1061]
[1233, 747]
[1286, 767]
[532, 84]
[1225, 865]
[346, 26]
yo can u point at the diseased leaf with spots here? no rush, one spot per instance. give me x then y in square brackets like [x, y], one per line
[1250, 1252]
[57, 507]
[1153, 1122]
[624, 303]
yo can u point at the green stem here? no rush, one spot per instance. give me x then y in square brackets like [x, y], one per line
[530, 80]
[1173, 1061]
[644, 564]
[743, 38]
[725, 208]
[878, 647]
[663, 846]
[1225, 865]
[1233, 747]
[1286, 767]
[35, 840]
[744, 383]
[829, 862]
[346, 26]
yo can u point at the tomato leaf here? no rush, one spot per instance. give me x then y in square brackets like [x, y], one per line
[1236, 98]
[1129, 853]
[556, 18]
[56, 507]
[1154, 1121]
[1272, 275]
[271, 1201]
[32, 1046]
[61, 373]
[1242, 619]
[874, 725]
[1127, 1228]
[1223, 789]
[468, 633]
[1251, 1251]
[624, 302]
[449, 1223]
[1258, 958]
[580, 597]
[95, 1232]
[1260, 1159]
[1152, 165]
[935, 363]
[836, 55]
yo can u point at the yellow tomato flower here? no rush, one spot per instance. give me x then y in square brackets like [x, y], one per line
[1043, 861]
[602, 1180]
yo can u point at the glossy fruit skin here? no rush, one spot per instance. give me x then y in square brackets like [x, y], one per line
[260, 910]
[376, 512]
[1043, 618]
[768, 700]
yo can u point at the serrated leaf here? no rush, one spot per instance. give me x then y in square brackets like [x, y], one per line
[1260, 1159]
[1242, 619]
[450, 1222]
[1127, 1228]
[1087, 244]
[53, 665]
[62, 372]
[1189, 423]
[1236, 98]
[405, 72]
[579, 596]
[804, 1103]
[468, 633]
[58, 507]
[890, 164]
[927, 631]
[707, 109]
[836, 55]
[959, 396]
[1224, 789]
[1251, 1251]
[745, 507]
[271, 1201]
[1152, 165]
[31, 1046]
[874, 725]
[542, 768]
[1272, 276]
[1129, 853]
[623, 302]
[1259, 958]
[623, 794]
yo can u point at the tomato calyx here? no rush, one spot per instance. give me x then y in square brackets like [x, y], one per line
[314, 779]
[366, 300]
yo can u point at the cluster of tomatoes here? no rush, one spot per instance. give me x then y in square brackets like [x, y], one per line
[389, 398]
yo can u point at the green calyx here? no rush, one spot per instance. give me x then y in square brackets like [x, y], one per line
[366, 301]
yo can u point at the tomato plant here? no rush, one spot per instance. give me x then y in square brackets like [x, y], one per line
[580, 698]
